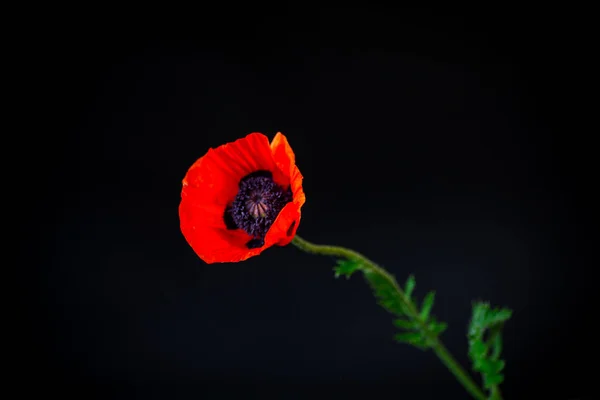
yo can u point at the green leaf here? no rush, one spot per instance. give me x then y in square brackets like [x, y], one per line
[427, 305]
[438, 327]
[496, 346]
[492, 379]
[385, 293]
[392, 306]
[489, 367]
[409, 286]
[497, 316]
[374, 279]
[404, 324]
[477, 349]
[477, 318]
[346, 268]
[412, 338]
[485, 356]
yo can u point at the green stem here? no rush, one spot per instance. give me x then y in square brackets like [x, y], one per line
[495, 342]
[495, 393]
[436, 345]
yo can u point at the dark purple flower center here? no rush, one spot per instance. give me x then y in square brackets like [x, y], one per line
[256, 206]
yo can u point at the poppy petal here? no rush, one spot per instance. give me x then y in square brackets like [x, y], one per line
[194, 202]
[250, 154]
[282, 153]
[284, 228]
[218, 173]
[204, 229]
[220, 246]
[286, 161]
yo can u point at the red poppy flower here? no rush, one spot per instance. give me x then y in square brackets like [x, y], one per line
[241, 198]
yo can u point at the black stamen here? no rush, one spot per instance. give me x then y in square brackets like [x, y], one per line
[261, 173]
[256, 206]
[255, 243]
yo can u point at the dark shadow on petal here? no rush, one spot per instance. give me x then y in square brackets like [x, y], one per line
[291, 229]
[229, 222]
[255, 243]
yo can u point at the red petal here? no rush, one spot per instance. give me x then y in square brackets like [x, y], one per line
[204, 229]
[284, 228]
[285, 160]
[212, 183]
[218, 245]
[220, 170]
[280, 232]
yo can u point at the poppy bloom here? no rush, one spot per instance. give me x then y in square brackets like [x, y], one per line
[241, 198]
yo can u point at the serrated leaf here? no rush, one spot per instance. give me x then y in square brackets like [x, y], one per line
[496, 346]
[427, 305]
[405, 310]
[489, 367]
[404, 324]
[438, 327]
[392, 306]
[374, 279]
[488, 363]
[497, 316]
[479, 310]
[492, 379]
[477, 349]
[477, 322]
[346, 268]
[412, 338]
[499, 365]
[421, 346]
[385, 293]
[409, 286]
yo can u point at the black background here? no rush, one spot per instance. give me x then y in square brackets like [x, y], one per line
[428, 141]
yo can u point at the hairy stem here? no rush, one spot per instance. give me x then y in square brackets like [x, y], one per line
[437, 346]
